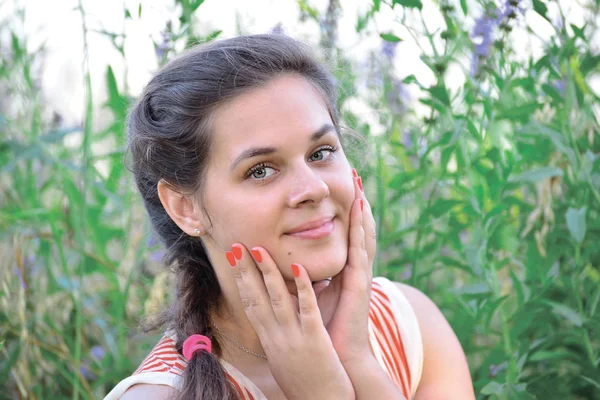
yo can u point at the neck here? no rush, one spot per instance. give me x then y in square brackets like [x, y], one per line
[233, 325]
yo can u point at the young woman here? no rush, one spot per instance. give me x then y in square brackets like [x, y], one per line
[237, 151]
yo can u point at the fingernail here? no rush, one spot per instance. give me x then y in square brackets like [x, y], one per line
[256, 255]
[360, 184]
[295, 270]
[354, 173]
[237, 251]
[230, 258]
[362, 205]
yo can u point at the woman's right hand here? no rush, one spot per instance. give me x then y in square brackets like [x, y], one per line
[299, 350]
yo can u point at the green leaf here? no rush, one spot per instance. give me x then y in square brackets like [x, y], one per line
[558, 139]
[456, 263]
[552, 92]
[442, 207]
[408, 3]
[493, 388]
[464, 7]
[140, 10]
[590, 380]
[410, 79]
[195, 4]
[518, 112]
[440, 93]
[540, 8]
[390, 37]
[589, 63]
[537, 175]
[576, 223]
[566, 312]
[306, 9]
[10, 361]
[579, 32]
[362, 21]
[474, 289]
[544, 355]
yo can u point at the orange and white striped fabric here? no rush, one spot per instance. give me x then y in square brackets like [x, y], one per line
[393, 332]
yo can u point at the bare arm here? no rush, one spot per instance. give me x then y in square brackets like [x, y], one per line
[370, 380]
[445, 369]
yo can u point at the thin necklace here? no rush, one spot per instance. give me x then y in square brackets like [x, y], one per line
[241, 346]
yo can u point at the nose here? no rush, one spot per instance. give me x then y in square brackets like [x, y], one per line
[308, 187]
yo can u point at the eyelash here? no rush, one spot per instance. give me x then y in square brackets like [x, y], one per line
[258, 167]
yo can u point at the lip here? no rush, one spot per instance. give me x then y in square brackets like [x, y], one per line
[316, 229]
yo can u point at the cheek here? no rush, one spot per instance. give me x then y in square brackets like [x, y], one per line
[240, 218]
[343, 193]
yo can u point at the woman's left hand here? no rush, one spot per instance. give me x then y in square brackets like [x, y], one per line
[345, 302]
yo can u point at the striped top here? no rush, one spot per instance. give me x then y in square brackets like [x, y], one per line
[393, 332]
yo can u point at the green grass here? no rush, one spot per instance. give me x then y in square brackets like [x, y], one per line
[489, 204]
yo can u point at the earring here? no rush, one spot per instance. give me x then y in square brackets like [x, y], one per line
[197, 231]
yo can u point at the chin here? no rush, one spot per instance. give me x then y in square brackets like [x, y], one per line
[325, 267]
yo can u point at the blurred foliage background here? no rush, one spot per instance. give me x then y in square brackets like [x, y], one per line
[485, 181]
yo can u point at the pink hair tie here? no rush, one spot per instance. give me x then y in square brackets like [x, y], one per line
[195, 343]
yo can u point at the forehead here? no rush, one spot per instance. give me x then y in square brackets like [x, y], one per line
[284, 112]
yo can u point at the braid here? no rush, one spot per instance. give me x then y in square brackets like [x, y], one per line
[170, 140]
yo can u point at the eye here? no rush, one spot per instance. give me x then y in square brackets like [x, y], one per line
[323, 153]
[260, 172]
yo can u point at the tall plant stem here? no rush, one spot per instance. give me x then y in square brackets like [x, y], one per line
[86, 150]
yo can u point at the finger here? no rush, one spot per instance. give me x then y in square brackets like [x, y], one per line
[310, 315]
[357, 254]
[279, 296]
[369, 225]
[358, 190]
[253, 293]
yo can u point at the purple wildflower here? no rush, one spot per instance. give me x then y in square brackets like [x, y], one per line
[396, 96]
[407, 273]
[157, 255]
[561, 86]
[495, 369]
[97, 352]
[407, 140]
[162, 48]
[18, 271]
[388, 49]
[84, 370]
[483, 31]
[152, 241]
[483, 39]
[277, 29]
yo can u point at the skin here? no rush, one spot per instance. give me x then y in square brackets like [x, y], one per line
[308, 325]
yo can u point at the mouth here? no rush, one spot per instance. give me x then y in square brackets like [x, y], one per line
[314, 230]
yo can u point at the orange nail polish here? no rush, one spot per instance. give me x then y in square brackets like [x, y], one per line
[360, 184]
[236, 249]
[354, 173]
[295, 270]
[256, 255]
[362, 205]
[230, 258]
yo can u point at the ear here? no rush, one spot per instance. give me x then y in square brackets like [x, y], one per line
[182, 209]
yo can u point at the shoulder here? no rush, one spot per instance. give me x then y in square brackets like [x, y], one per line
[445, 368]
[149, 392]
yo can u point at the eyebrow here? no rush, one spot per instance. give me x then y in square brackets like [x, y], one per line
[261, 151]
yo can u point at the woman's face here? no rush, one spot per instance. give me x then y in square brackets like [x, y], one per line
[276, 166]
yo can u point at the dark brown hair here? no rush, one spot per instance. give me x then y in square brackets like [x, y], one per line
[170, 140]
